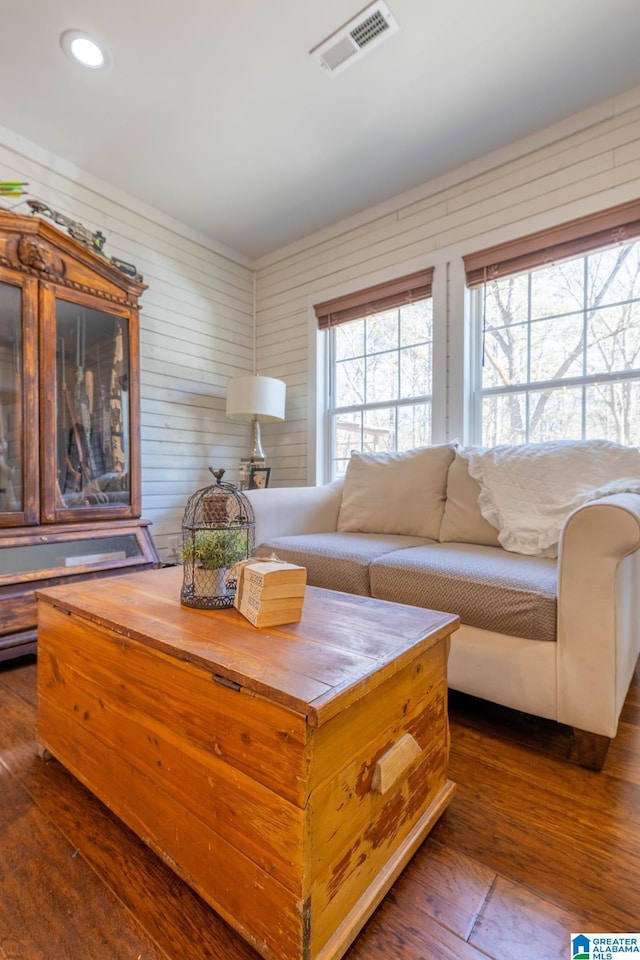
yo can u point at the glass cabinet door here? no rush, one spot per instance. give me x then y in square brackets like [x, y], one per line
[38, 560]
[11, 466]
[90, 422]
[93, 465]
[18, 429]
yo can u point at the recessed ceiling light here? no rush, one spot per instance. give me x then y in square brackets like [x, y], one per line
[80, 47]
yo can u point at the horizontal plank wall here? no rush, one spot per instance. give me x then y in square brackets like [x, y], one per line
[196, 319]
[588, 162]
[196, 331]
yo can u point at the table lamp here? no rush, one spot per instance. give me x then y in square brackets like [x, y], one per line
[256, 399]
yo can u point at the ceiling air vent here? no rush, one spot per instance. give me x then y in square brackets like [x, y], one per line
[360, 35]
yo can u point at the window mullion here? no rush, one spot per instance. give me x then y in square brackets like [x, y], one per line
[585, 335]
[529, 334]
[331, 372]
[365, 384]
[616, 376]
[383, 404]
[398, 378]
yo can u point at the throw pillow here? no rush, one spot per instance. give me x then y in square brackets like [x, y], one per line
[462, 521]
[396, 493]
[529, 490]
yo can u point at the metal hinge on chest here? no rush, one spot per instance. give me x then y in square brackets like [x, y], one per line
[225, 682]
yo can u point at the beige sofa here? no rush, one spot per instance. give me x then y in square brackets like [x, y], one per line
[557, 636]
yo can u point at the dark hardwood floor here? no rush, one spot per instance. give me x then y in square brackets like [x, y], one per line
[530, 850]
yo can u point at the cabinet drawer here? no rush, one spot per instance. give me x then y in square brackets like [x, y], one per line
[18, 613]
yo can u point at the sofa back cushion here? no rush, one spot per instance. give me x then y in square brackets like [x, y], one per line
[462, 521]
[396, 493]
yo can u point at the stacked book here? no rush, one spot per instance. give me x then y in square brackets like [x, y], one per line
[271, 592]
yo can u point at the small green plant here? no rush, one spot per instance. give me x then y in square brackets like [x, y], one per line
[215, 549]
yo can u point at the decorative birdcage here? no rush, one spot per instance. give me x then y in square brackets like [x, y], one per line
[217, 533]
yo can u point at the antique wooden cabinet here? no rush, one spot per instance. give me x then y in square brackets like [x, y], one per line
[69, 420]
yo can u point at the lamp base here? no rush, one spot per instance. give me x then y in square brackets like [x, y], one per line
[257, 453]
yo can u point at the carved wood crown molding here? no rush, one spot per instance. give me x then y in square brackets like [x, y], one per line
[34, 256]
[38, 255]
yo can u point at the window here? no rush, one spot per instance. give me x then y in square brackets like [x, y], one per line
[559, 345]
[380, 369]
[380, 394]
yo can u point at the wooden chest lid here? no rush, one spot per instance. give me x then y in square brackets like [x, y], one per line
[343, 647]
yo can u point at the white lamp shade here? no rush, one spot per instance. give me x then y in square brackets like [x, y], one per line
[256, 398]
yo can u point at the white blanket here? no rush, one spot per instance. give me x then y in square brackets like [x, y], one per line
[528, 491]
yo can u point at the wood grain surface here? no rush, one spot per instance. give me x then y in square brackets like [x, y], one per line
[529, 847]
[261, 802]
[344, 645]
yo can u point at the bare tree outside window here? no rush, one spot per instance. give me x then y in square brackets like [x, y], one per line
[561, 351]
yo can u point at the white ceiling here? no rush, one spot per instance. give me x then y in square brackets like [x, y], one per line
[215, 113]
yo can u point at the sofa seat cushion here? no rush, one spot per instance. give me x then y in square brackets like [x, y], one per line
[337, 561]
[487, 587]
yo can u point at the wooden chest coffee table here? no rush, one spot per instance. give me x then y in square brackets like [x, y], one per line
[287, 774]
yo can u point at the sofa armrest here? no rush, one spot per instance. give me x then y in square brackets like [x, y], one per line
[286, 511]
[598, 611]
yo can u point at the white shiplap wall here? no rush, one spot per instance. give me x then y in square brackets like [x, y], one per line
[196, 329]
[586, 163]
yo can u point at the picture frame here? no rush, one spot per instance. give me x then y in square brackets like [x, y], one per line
[259, 477]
